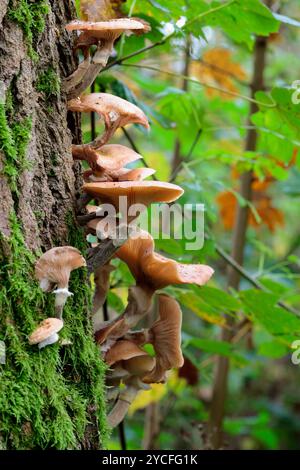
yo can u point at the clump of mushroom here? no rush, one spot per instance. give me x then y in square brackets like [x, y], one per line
[152, 272]
[103, 34]
[141, 368]
[106, 182]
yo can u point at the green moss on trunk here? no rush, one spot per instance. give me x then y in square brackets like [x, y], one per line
[30, 16]
[47, 396]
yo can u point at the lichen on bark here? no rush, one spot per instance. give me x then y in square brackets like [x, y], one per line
[53, 398]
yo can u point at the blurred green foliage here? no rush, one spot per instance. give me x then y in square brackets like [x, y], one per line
[263, 402]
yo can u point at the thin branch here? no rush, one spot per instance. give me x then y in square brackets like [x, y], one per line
[197, 82]
[190, 153]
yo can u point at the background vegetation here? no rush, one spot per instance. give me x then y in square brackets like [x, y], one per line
[198, 83]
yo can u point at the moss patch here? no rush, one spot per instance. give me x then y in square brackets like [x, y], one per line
[46, 397]
[14, 138]
[48, 83]
[30, 16]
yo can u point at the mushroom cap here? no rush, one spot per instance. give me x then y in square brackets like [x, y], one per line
[136, 174]
[55, 266]
[113, 157]
[47, 328]
[122, 351]
[110, 106]
[110, 29]
[166, 339]
[137, 192]
[140, 365]
[124, 174]
[156, 271]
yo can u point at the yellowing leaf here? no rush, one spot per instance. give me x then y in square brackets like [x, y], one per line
[97, 10]
[218, 68]
[146, 397]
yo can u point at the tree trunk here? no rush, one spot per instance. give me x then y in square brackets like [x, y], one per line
[51, 398]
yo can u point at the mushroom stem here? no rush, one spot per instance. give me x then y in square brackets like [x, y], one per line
[120, 409]
[75, 79]
[103, 52]
[83, 201]
[61, 296]
[50, 340]
[110, 129]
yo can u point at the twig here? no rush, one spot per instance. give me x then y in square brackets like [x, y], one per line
[212, 87]
[190, 153]
[243, 273]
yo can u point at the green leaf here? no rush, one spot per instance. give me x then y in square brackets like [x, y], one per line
[115, 302]
[222, 348]
[244, 19]
[273, 350]
[261, 307]
[282, 121]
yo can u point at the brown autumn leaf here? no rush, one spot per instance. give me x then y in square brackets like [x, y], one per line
[218, 68]
[99, 10]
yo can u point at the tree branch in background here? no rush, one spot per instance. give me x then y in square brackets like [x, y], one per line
[237, 254]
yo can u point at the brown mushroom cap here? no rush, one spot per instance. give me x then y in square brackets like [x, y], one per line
[124, 174]
[110, 29]
[140, 365]
[122, 351]
[137, 174]
[55, 266]
[166, 339]
[47, 328]
[113, 157]
[137, 192]
[110, 107]
[156, 271]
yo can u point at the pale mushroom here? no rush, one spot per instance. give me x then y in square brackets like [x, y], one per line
[53, 268]
[136, 192]
[108, 159]
[115, 111]
[103, 34]
[46, 332]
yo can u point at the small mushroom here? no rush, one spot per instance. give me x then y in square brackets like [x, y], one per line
[165, 334]
[53, 268]
[46, 333]
[108, 159]
[115, 111]
[123, 350]
[103, 34]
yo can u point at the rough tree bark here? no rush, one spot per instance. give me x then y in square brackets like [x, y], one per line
[53, 398]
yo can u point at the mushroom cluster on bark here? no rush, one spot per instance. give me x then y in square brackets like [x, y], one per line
[108, 181]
